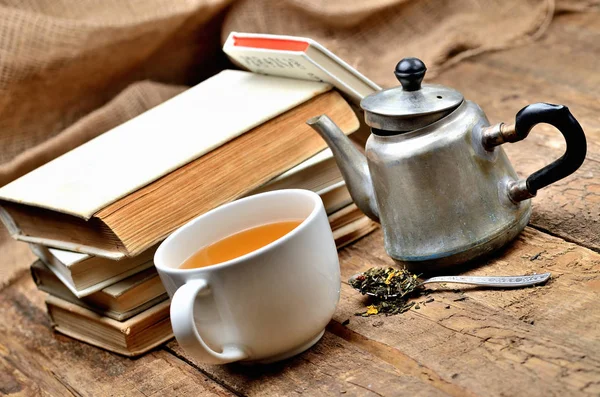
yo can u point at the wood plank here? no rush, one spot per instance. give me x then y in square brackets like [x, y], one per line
[34, 360]
[332, 367]
[561, 68]
[480, 339]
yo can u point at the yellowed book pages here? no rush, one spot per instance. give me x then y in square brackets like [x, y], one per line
[86, 274]
[132, 337]
[140, 151]
[119, 301]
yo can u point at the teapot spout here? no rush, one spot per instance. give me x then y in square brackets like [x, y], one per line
[351, 162]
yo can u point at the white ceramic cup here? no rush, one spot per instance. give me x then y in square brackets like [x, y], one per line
[264, 306]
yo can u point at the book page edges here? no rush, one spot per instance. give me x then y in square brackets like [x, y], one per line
[313, 161]
[121, 287]
[25, 190]
[161, 310]
[46, 281]
[113, 314]
[115, 279]
[63, 271]
[65, 245]
[156, 316]
[115, 349]
[82, 293]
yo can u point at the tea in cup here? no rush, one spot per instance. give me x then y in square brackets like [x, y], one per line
[257, 279]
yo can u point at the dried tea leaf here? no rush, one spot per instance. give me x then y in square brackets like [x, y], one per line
[385, 282]
[391, 288]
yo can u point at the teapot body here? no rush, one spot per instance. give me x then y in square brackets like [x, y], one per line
[441, 195]
[435, 175]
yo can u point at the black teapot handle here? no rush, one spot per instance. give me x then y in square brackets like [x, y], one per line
[560, 117]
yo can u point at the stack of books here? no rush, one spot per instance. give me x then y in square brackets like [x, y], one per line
[95, 216]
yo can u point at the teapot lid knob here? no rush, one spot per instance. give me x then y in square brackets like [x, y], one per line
[412, 105]
[410, 73]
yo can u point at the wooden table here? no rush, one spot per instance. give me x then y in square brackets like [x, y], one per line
[540, 341]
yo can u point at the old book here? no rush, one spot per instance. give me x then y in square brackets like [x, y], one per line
[298, 58]
[118, 301]
[168, 136]
[132, 224]
[132, 337]
[85, 274]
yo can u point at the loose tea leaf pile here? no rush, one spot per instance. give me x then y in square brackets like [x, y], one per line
[390, 287]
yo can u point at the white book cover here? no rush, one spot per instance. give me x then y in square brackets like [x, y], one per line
[147, 147]
[298, 58]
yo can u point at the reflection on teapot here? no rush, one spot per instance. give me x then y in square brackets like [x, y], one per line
[435, 175]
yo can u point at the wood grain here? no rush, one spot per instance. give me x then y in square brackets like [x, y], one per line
[479, 338]
[36, 361]
[332, 367]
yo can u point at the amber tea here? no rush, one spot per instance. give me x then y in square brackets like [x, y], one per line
[239, 244]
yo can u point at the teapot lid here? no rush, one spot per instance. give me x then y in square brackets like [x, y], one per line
[411, 106]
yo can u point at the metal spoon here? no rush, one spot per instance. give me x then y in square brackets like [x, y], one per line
[488, 281]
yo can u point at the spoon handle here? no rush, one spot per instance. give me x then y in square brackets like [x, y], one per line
[501, 281]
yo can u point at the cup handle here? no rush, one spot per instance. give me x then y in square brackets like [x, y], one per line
[186, 333]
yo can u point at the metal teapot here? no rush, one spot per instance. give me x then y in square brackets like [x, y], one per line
[435, 175]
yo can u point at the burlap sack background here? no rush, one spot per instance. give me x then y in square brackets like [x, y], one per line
[72, 69]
